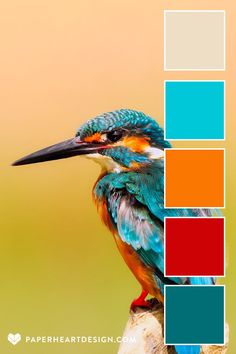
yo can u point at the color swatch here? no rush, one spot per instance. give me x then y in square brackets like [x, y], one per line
[194, 178]
[194, 246]
[194, 314]
[194, 40]
[194, 110]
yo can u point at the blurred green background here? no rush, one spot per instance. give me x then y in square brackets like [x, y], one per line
[60, 64]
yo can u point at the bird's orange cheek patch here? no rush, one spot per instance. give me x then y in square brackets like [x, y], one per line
[135, 143]
[96, 137]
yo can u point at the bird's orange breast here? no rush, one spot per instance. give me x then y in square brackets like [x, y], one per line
[142, 272]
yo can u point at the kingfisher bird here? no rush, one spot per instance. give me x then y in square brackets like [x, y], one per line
[129, 193]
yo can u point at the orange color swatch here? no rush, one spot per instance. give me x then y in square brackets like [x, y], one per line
[194, 178]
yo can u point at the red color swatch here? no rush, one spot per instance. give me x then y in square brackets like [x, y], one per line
[194, 246]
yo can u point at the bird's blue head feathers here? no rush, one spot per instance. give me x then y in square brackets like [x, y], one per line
[127, 121]
[130, 138]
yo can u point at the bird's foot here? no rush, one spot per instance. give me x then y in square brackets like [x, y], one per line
[140, 301]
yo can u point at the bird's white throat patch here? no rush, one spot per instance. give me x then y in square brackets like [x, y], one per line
[106, 162]
[109, 165]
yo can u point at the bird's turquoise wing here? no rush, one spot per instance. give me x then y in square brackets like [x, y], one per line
[144, 232]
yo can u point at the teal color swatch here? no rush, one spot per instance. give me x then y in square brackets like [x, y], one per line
[194, 314]
[194, 110]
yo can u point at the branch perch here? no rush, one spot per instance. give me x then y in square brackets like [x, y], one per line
[147, 326]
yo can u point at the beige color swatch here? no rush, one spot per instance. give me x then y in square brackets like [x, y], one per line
[194, 40]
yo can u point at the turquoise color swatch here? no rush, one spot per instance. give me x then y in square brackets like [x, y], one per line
[194, 314]
[194, 110]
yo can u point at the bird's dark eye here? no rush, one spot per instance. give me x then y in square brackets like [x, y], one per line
[114, 135]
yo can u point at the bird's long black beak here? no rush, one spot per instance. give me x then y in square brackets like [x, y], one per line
[65, 149]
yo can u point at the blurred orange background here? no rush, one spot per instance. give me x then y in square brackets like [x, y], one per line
[60, 64]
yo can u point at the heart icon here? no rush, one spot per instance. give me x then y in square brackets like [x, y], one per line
[14, 338]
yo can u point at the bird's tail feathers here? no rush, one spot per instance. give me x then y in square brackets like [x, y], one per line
[188, 349]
